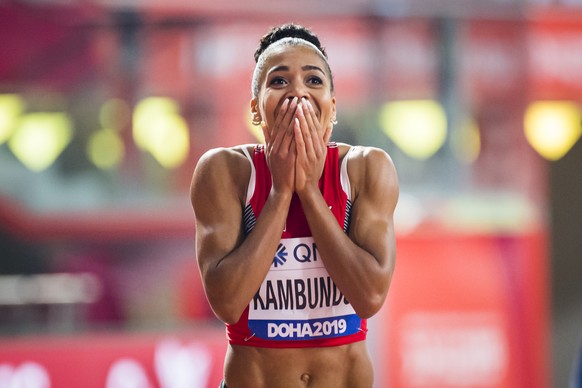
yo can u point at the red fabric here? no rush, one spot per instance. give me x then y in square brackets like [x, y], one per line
[296, 226]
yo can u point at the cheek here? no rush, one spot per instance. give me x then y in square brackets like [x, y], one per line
[268, 107]
[326, 111]
[267, 113]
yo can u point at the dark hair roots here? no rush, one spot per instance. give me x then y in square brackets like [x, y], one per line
[289, 30]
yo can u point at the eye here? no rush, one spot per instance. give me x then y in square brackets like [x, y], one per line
[315, 80]
[277, 81]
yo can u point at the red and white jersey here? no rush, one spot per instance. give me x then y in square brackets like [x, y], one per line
[298, 304]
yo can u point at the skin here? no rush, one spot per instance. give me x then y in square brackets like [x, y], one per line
[295, 106]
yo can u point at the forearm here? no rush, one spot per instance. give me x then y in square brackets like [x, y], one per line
[356, 272]
[232, 281]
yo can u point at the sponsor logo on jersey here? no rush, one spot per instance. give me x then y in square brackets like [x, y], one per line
[298, 299]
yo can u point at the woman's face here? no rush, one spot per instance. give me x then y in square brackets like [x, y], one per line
[294, 71]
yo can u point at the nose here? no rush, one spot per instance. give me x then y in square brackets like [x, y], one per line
[299, 90]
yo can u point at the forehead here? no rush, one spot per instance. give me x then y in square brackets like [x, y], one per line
[299, 54]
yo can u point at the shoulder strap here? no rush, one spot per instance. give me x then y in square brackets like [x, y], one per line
[344, 179]
[252, 178]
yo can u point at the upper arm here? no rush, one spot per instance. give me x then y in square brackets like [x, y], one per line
[371, 225]
[217, 199]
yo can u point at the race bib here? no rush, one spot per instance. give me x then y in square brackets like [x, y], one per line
[298, 299]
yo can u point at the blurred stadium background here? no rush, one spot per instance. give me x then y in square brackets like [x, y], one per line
[105, 107]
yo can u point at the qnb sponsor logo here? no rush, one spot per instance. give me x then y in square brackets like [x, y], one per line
[298, 294]
[26, 375]
[302, 252]
[281, 256]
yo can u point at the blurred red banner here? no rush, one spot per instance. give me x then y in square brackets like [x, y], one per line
[114, 361]
[468, 311]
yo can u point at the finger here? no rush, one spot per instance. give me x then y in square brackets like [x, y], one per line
[284, 125]
[283, 138]
[310, 116]
[282, 110]
[313, 116]
[317, 134]
[306, 132]
[285, 118]
[319, 143]
[287, 139]
[299, 138]
[288, 121]
[278, 140]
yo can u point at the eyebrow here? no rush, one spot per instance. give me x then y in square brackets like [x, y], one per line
[304, 68]
[313, 67]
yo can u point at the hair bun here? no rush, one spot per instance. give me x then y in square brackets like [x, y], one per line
[289, 30]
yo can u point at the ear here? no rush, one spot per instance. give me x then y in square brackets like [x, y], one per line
[255, 114]
[329, 129]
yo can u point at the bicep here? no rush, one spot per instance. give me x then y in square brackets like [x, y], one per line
[372, 226]
[218, 210]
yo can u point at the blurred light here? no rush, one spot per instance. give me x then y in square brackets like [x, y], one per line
[145, 113]
[11, 106]
[417, 127]
[40, 138]
[553, 127]
[105, 148]
[409, 213]
[453, 349]
[488, 212]
[466, 142]
[170, 146]
[255, 130]
[160, 129]
[174, 361]
[115, 114]
[28, 374]
[127, 372]
[60, 288]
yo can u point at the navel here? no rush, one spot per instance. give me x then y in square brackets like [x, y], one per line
[306, 378]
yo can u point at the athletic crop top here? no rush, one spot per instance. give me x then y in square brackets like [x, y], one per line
[298, 304]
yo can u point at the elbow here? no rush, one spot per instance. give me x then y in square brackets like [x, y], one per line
[229, 319]
[226, 307]
[228, 313]
[372, 301]
[370, 307]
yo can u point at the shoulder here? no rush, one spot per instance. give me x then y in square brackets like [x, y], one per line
[226, 160]
[366, 158]
[370, 166]
[224, 166]
[224, 155]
